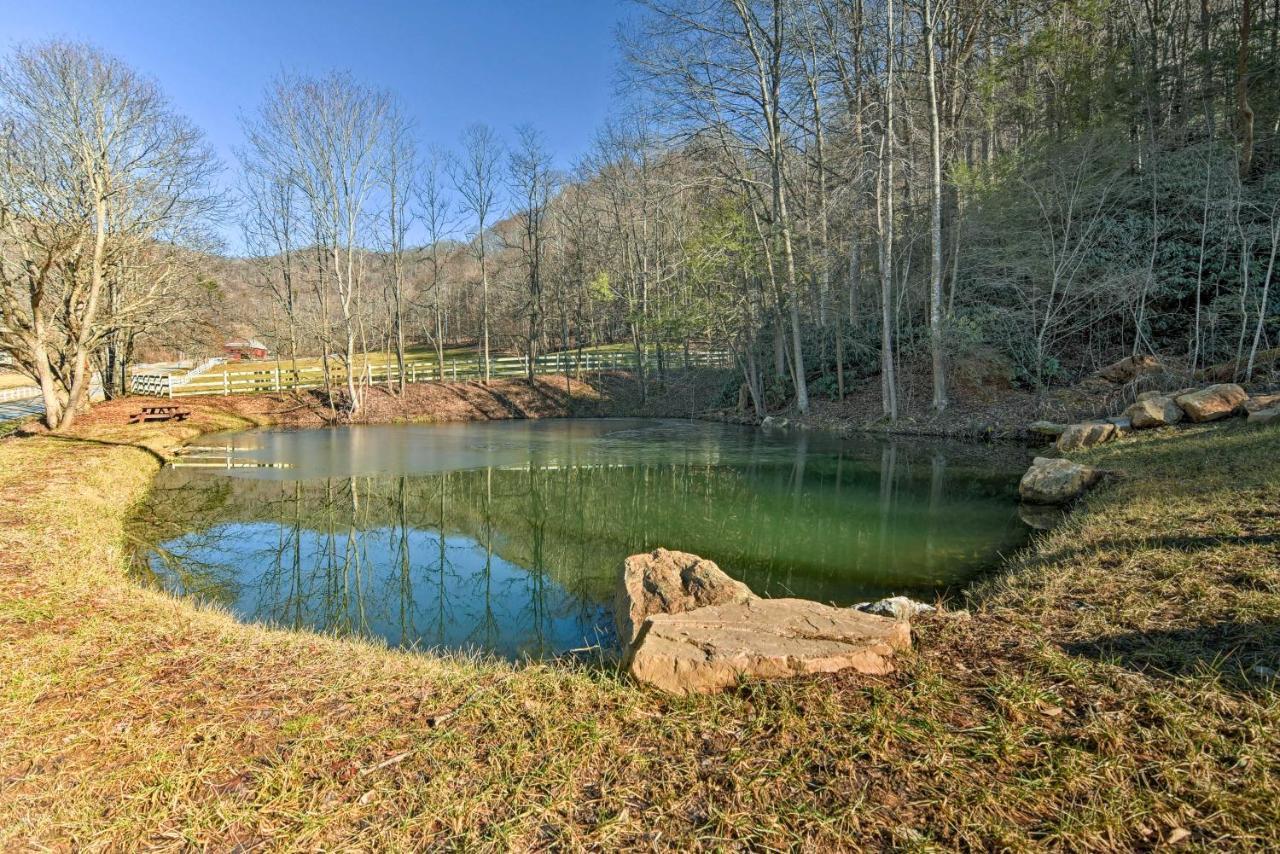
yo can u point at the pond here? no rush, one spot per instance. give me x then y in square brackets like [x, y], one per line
[508, 537]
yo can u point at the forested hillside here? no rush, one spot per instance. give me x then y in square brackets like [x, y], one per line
[836, 190]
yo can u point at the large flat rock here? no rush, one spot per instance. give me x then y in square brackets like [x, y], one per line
[711, 648]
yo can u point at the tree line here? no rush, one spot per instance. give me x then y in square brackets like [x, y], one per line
[844, 193]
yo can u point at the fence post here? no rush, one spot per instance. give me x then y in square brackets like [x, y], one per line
[226, 383]
[169, 382]
[276, 372]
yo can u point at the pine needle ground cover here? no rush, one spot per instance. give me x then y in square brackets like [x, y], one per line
[1111, 687]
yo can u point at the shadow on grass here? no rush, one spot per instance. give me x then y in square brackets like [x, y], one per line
[83, 440]
[1245, 655]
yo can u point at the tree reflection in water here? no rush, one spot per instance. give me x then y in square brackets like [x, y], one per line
[521, 561]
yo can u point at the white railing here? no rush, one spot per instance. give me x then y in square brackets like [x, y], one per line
[199, 370]
[25, 392]
[156, 385]
[247, 379]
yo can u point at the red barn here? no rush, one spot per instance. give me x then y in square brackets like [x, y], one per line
[251, 349]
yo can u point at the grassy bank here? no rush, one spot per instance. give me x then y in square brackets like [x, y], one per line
[1103, 694]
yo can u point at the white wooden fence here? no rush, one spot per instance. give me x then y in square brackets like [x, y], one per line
[20, 393]
[250, 379]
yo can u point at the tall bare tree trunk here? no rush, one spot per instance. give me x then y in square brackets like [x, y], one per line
[935, 220]
[1244, 112]
[884, 217]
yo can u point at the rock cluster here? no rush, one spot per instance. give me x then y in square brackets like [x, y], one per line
[1050, 481]
[687, 627]
[1163, 409]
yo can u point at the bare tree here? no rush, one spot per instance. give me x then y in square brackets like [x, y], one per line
[532, 186]
[327, 135]
[399, 177]
[435, 210]
[884, 218]
[936, 344]
[728, 70]
[1273, 234]
[271, 229]
[96, 172]
[475, 175]
[1244, 111]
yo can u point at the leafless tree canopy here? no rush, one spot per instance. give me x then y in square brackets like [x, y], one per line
[101, 185]
[842, 193]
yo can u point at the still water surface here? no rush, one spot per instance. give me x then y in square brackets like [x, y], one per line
[508, 537]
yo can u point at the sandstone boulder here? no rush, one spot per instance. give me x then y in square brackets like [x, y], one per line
[1046, 428]
[1130, 368]
[1055, 481]
[667, 582]
[1154, 411]
[1261, 417]
[774, 424]
[1080, 436]
[711, 648]
[1262, 401]
[1213, 402]
[1122, 423]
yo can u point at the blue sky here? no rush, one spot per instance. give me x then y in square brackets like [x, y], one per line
[505, 62]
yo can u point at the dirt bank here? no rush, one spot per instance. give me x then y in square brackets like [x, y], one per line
[604, 395]
[984, 403]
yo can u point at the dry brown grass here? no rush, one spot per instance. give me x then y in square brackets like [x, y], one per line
[1102, 696]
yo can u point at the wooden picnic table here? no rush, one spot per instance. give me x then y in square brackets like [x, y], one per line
[167, 412]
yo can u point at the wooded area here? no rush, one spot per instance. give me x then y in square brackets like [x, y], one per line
[836, 190]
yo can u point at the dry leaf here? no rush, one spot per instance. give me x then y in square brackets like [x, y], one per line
[1048, 709]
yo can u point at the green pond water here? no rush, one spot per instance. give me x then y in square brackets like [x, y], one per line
[508, 537]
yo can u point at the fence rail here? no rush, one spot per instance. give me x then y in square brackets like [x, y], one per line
[25, 392]
[270, 379]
